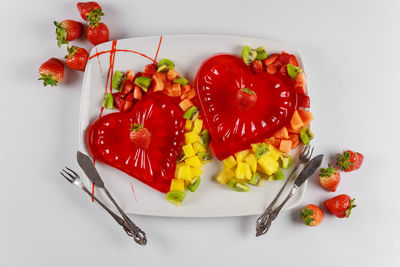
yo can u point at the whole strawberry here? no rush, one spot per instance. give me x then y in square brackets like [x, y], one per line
[340, 206]
[51, 72]
[98, 34]
[329, 178]
[312, 215]
[350, 161]
[77, 58]
[140, 136]
[246, 98]
[67, 30]
[90, 12]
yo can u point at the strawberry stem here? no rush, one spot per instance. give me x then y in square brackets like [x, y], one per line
[136, 127]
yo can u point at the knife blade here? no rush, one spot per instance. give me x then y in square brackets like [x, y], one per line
[309, 170]
[88, 167]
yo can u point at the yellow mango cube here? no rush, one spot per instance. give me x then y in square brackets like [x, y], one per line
[191, 137]
[188, 151]
[273, 152]
[178, 166]
[251, 160]
[225, 176]
[198, 125]
[195, 162]
[243, 171]
[229, 162]
[185, 173]
[254, 147]
[241, 155]
[198, 147]
[196, 172]
[177, 185]
[268, 164]
[189, 125]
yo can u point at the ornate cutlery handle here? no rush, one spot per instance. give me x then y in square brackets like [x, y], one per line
[138, 235]
[264, 225]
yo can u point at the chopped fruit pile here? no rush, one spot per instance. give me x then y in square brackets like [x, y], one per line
[290, 136]
[161, 77]
[253, 166]
[194, 155]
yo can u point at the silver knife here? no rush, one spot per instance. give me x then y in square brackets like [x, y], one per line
[88, 167]
[306, 173]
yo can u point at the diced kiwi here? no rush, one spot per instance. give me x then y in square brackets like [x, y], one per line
[261, 53]
[255, 178]
[285, 161]
[204, 157]
[108, 101]
[248, 54]
[205, 138]
[165, 65]
[194, 184]
[279, 175]
[236, 186]
[293, 71]
[306, 135]
[180, 80]
[143, 82]
[117, 79]
[261, 150]
[191, 113]
[175, 197]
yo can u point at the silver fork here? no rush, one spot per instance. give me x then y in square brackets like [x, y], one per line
[74, 179]
[264, 221]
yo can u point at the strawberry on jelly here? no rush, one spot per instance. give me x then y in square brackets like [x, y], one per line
[233, 129]
[109, 140]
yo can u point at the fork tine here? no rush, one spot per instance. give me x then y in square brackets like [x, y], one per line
[72, 171]
[311, 152]
[69, 174]
[305, 151]
[68, 179]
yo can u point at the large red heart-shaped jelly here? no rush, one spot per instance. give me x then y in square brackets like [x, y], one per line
[233, 129]
[109, 140]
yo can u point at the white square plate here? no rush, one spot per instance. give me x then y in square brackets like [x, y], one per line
[187, 52]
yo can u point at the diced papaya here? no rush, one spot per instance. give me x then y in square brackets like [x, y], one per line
[285, 146]
[167, 87]
[273, 141]
[161, 76]
[296, 122]
[301, 79]
[282, 133]
[175, 90]
[189, 94]
[185, 104]
[157, 84]
[186, 88]
[295, 140]
[171, 75]
[300, 89]
[306, 116]
[291, 130]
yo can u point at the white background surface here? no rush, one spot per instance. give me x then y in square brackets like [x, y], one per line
[350, 49]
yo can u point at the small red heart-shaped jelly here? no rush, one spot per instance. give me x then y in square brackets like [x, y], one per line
[109, 140]
[232, 128]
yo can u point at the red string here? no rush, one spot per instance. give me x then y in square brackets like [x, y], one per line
[158, 48]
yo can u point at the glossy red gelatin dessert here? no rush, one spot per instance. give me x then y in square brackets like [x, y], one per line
[109, 140]
[231, 128]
